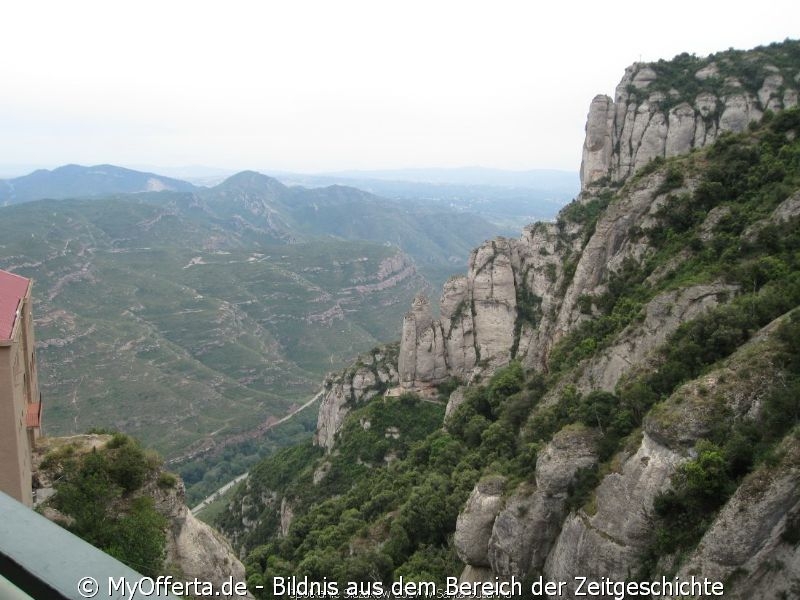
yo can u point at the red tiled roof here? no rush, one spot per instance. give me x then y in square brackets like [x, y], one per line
[12, 290]
[34, 416]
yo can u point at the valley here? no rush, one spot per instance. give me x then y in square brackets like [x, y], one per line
[190, 317]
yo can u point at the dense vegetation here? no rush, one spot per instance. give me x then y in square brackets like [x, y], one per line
[101, 494]
[205, 474]
[409, 505]
[198, 313]
[370, 518]
[703, 484]
[748, 67]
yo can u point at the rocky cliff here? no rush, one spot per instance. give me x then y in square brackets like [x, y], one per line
[521, 296]
[372, 374]
[623, 383]
[529, 529]
[665, 109]
[192, 549]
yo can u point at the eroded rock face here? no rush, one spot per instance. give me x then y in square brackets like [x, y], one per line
[472, 574]
[518, 298]
[787, 209]
[422, 355]
[637, 342]
[611, 541]
[198, 551]
[457, 327]
[753, 530]
[524, 531]
[194, 549]
[494, 298]
[456, 399]
[637, 125]
[373, 373]
[477, 320]
[287, 516]
[474, 524]
[598, 146]
[610, 246]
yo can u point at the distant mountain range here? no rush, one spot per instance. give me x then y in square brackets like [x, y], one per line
[75, 181]
[186, 314]
[508, 199]
[283, 213]
[534, 178]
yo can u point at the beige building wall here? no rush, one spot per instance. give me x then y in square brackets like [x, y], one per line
[19, 396]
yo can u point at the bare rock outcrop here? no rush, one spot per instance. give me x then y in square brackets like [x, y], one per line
[611, 246]
[637, 342]
[497, 312]
[647, 118]
[477, 320]
[287, 516]
[422, 355]
[786, 210]
[458, 327]
[494, 298]
[456, 399]
[521, 296]
[474, 523]
[194, 549]
[525, 529]
[756, 533]
[609, 541]
[371, 375]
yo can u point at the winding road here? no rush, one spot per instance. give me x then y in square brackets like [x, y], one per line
[218, 493]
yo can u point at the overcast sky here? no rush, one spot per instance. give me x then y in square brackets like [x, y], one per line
[336, 84]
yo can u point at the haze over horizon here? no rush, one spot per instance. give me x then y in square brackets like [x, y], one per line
[316, 87]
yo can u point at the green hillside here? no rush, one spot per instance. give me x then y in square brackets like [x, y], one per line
[438, 238]
[162, 324]
[75, 181]
[376, 508]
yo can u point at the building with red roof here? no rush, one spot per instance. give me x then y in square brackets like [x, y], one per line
[20, 403]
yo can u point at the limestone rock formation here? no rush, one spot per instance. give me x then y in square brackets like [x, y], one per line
[423, 343]
[524, 531]
[521, 296]
[372, 374]
[757, 527]
[456, 399]
[287, 516]
[649, 117]
[194, 549]
[474, 524]
[637, 342]
[610, 540]
[477, 320]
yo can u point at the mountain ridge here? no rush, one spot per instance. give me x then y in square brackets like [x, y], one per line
[71, 181]
[611, 387]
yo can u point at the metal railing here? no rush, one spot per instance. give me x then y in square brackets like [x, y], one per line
[40, 560]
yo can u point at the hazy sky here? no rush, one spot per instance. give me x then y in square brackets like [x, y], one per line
[335, 84]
